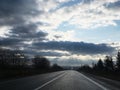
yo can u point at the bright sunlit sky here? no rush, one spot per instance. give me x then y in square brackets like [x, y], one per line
[67, 32]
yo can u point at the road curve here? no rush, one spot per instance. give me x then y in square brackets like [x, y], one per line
[63, 80]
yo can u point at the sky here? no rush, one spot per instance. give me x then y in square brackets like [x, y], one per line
[67, 32]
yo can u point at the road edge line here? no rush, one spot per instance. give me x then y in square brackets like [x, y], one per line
[49, 82]
[104, 88]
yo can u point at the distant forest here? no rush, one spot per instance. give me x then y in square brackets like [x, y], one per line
[107, 67]
[14, 63]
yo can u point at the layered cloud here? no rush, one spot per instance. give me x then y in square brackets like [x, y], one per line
[34, 26]
[15, 19]
[81, 13]
[75, 47]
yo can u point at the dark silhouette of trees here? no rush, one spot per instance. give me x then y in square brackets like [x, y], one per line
[85, 68]
[108, 62]
[106, 68]
[15, 58]
[100, 65]
[56, 67]
[41, 62]
[118, 61]
[14, 63]
[12, 58]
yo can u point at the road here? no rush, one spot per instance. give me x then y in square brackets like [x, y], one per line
[62, 80]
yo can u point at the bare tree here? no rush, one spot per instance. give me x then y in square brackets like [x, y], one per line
[41, 62]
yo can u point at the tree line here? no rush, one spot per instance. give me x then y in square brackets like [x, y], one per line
[15, 63]
[107, 67]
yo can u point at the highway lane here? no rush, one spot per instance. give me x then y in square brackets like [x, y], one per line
[73, 80]
[28, 83]
[63, 80]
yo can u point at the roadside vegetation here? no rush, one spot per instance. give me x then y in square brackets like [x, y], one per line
[107, 67]
[14, 64]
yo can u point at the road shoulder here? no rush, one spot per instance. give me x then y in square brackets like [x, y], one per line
[112, 84]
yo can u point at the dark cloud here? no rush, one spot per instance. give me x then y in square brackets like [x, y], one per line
[114, 6]
[14, 12]
[50, 53]
[57, 36]
[28, 31]
[75, 47]
[22, 33]
[9, 41]
[32, 52]
[17, 15]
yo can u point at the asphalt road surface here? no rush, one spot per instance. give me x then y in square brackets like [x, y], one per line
[62, 80]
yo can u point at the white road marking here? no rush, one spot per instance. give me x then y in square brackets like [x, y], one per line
[49, 82]
[104, 88]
